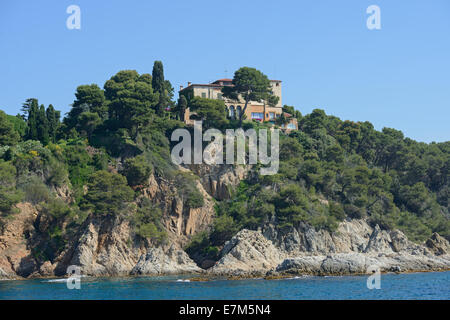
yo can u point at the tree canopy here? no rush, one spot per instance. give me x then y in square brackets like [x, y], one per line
[114, 139]
[250, 84]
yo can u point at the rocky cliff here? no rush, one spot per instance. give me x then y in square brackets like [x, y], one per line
[218, 180]
[355, 248]
[106, 246]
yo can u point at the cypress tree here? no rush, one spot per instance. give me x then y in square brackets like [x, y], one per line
[158, 85]
[53, 122]
[32, 116]
[182, 106]
[42, 126]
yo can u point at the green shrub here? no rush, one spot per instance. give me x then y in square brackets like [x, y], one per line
[9, 195]
[187, 190]
[108, 194]
[147, 222]
[56, 208]
[35, 191]
[137, 170]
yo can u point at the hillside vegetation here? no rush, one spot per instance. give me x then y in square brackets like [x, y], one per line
[105, 148]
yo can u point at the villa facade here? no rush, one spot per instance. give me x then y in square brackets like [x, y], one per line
[258, 111]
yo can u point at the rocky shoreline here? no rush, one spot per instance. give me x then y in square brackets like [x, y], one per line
[108, 246]
[354, 249]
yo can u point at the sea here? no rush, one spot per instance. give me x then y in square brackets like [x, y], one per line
[429, 285]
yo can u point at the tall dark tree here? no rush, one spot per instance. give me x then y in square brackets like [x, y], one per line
[26, 107]
[42, 126]
[32, 113]
[163, 87]
[250, 84]
[182, 106]
[53, 122]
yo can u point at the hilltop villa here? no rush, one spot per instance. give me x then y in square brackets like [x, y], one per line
[259, 111]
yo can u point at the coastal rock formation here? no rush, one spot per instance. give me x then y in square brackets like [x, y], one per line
[181, 222]
[106, 246]
[217, 180]
[351, 236]
[438, 245]
[248, 252]
[158, 261]
[359, 263]
[355, 248]
[4, 275]
[16, 258]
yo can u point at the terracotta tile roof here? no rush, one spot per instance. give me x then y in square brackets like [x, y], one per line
[215, 83]
[224, 80]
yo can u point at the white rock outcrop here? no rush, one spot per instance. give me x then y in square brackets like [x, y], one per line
[355, 248]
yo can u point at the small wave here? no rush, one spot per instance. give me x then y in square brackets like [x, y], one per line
[183, 280]
[57, 280]
[298, 277]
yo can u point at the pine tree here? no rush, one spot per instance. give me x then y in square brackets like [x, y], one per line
[26, 107]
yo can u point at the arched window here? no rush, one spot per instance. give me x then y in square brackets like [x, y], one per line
[232, 112]
[238, 111]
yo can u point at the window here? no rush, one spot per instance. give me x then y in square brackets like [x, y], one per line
[257, 115]
[232, 114]
[271, 115]
[203, 94]
[291, 126]
[219, 96]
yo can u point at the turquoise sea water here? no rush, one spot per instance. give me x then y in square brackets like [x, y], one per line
[433, 285]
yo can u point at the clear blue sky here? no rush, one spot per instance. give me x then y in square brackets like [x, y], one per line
[397, 77]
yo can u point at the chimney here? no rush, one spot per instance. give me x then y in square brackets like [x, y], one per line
[189, 83]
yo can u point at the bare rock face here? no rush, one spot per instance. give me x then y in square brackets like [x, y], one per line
[16, 258]
[217, 180]
[346, 263]
[181, 222]
[109, 248]
[355, 248]
[361, 263]
[300, 265]
[64, 193]
[438, 245]
[47, 269]
[4, 275]
[380, 241]
[158, 261]
[106, 248]
[351, 236]
[105, 245]
[248, 252]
